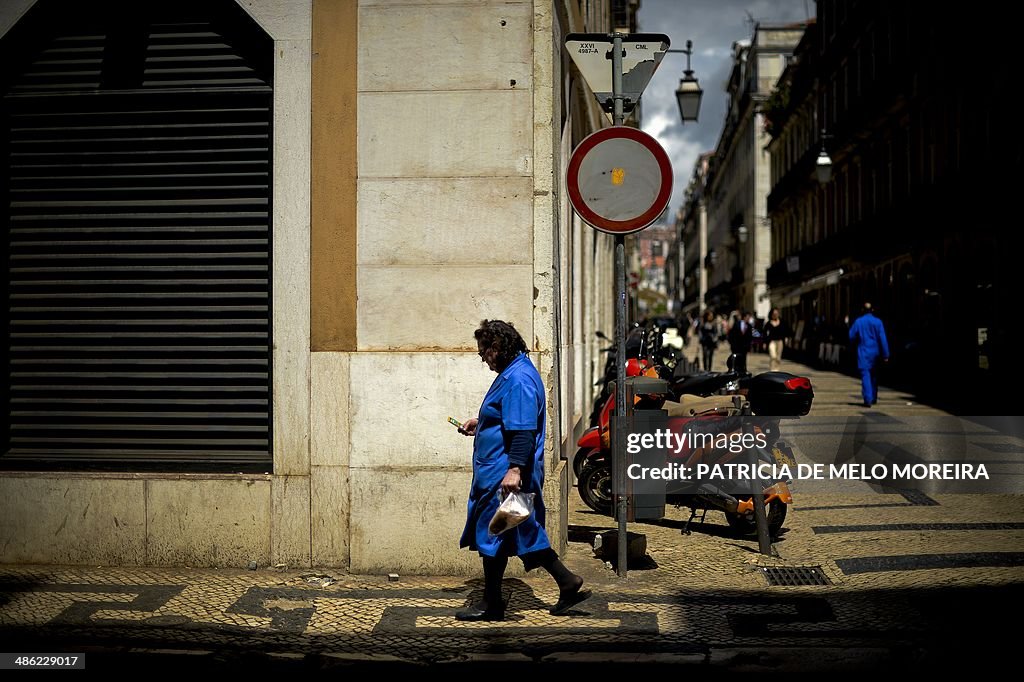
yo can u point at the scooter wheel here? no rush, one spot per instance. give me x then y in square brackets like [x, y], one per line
[744, 524]
[595, 487]
[586, 457]
[579, 461]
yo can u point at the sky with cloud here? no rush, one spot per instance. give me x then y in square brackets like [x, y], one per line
[713, 26]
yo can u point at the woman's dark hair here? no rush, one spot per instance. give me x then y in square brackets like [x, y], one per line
[503, 337]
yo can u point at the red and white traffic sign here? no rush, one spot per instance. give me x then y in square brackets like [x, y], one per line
[619, 180]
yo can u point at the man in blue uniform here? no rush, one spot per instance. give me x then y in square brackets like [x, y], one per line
[508, 455]
[869, 336]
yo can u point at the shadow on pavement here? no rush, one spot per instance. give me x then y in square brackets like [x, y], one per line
[940, 629]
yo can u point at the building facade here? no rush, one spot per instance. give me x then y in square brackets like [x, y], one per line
[250, 244]
[692, 241]
[650, 255]
[905, 103]
[739, 232]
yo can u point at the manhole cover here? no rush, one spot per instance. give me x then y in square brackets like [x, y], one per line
[795, 575]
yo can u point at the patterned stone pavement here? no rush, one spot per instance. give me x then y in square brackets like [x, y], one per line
[915, 578]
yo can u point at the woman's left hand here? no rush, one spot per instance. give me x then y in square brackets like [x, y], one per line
[512, 481]
[468, 427]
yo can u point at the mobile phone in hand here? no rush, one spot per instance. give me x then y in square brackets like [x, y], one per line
[455, 422]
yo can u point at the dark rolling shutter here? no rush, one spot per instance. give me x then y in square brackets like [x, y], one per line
[137, 149]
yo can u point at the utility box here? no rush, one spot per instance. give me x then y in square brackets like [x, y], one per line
[646, 496]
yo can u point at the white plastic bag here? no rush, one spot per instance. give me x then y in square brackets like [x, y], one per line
[513, 510]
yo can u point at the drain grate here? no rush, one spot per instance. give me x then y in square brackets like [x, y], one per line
[795, 575]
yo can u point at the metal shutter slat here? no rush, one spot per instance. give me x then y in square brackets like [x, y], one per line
[137, 400]
[135, 456]
[157, 308]
[106, 388]
[184, 230]
[146, 427]
[140, 441]
[121, 414]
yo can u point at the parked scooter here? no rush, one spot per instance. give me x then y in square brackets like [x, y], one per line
[762, 400]
[634, 350]
[595, 441]
[684, 379]
[638, 344]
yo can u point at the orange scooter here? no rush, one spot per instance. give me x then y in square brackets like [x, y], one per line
[769, 396]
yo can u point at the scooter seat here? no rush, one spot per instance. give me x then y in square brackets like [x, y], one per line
[692, 405]
[705, 383]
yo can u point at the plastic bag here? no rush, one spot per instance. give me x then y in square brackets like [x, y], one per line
[513, 510]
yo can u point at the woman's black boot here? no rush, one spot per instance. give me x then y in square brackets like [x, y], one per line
[492, 606]
[570, 585]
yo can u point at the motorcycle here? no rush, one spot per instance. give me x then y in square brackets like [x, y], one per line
[634, 350]
[636, 365]
[684, 377]
[695, 401]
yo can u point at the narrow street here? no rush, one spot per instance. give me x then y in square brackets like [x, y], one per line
[297, 289]
[908, 580]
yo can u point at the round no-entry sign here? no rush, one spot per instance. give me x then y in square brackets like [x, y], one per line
[619, 180]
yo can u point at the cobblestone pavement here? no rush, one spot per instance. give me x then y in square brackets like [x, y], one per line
[915, 580]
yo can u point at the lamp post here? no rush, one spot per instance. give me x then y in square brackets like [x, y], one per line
[823, 165]
[688, 96]
[689, 92]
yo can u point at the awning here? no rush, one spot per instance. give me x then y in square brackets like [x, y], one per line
[792, 297]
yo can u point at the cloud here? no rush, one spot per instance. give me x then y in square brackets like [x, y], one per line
[715, 52]
[657, 124]
[713, 26]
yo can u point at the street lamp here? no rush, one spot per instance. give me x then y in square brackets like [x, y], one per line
[689, 92]
[823, 166]
[741, 234]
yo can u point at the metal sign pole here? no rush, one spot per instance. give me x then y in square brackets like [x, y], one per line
[764, 543]
[619, 458]
[622, 151]
[617, 96]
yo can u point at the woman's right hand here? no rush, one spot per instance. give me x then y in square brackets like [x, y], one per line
[468, 427]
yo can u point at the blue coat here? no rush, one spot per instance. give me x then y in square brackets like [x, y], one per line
[869, 335]
[515, 402]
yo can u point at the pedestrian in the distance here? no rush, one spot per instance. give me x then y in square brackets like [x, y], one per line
[741, 335]
[709, 332]
[775, 332]
[868, 334]
[508, 456]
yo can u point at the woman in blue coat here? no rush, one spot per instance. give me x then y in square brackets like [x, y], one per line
[508, 455]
